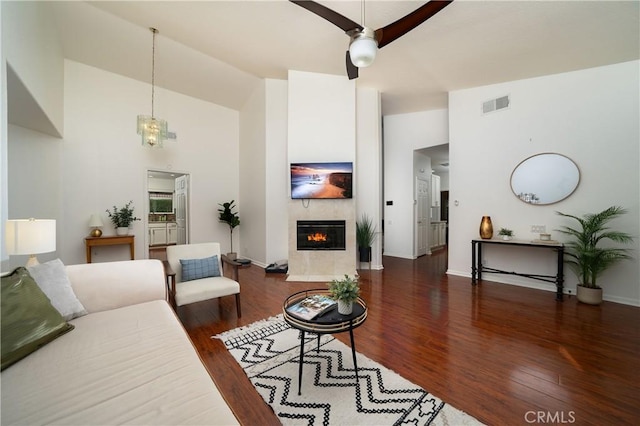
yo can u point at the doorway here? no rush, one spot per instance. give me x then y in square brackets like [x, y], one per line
[167, 211]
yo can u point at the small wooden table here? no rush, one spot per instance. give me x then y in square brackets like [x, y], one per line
[113, 240]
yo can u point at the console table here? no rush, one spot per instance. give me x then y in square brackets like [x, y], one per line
[477, 268]
[109, 241]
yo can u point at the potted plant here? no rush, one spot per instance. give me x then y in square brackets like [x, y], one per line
[345, 291]
[365, 237]
[506, 234]
[586, 258]
[231, 218]
[122, 218]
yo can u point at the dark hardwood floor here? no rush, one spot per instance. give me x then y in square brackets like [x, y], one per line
[503, 354]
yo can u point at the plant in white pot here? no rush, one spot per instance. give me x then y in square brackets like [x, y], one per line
[122, 218]
[586, 257]
[506, 234]
[231, 218]
[345, 291]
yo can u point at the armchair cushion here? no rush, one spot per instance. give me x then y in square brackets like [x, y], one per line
[205, 289]
[195, 269]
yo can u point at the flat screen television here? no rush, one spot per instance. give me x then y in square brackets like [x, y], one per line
[321, 180]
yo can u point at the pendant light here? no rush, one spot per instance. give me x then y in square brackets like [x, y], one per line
[153, 130]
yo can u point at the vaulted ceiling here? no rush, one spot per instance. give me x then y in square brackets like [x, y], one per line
[219, 50]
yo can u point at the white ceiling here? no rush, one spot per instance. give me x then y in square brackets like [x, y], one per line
[219, 50]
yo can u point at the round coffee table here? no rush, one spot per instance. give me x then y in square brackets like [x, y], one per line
[326, 323]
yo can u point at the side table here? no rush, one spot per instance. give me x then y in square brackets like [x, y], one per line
[327, 323]
[109, 241]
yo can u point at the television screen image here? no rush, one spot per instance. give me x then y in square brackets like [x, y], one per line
[321, 180]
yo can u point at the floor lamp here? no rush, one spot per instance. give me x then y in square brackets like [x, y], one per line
[31, 237]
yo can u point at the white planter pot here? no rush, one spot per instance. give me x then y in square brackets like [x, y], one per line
[591, 296]
[122, 230]
[506, 237]
[345, 308]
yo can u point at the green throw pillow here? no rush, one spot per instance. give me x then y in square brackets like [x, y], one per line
[29, 321]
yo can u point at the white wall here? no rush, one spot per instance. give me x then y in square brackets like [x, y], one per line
[402, 134]
[31, 47]
[368, 170]
[252, 229]
[591, 116]
[102, 162]
[34, 189]
[277, 171]
[4, 214]
[263, 174]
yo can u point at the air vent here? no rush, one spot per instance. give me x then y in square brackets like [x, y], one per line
[495, 104]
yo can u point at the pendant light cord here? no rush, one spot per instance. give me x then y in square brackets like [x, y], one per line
[362, 13]
[153, 69]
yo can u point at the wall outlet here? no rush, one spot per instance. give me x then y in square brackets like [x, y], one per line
[538, 229]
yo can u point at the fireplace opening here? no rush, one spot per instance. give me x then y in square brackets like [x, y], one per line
[321, 235]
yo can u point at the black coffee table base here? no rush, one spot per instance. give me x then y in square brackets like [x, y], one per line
[353, 353]
[327, 323]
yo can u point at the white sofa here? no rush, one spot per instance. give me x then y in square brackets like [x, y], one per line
[129, 361]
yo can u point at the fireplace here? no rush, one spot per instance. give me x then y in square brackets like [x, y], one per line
[321, 235]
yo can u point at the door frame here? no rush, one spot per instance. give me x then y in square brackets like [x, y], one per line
[145, 219]
[416, 226]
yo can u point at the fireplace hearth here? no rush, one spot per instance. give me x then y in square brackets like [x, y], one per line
[321, 234]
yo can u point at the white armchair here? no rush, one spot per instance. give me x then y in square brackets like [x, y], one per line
[184, 290]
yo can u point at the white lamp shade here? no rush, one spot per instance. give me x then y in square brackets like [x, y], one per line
[363, 51]
[30, 236]
[95, 221]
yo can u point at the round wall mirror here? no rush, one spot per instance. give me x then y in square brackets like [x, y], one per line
[545, 179]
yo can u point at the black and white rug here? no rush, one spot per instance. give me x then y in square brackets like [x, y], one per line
[268, 351]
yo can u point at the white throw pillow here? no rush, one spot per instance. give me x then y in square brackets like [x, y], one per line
[52, 279]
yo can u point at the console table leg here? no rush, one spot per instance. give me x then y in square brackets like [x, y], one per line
[560, 276]
[479, 261]
[473, 262]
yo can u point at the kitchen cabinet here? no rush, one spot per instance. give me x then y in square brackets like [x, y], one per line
[172, 233]
[157, 234]
[163, 233]
[438, 236]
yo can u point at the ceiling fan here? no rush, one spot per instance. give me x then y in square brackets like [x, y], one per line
[365, 42]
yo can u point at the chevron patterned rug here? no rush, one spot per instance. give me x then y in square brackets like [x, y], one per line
[268, 351]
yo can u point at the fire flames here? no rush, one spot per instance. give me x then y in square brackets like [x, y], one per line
[317, 237]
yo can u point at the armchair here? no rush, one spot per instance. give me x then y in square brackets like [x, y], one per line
[199, 279]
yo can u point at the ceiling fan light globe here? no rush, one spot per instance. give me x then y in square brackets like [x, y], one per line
[363, 51]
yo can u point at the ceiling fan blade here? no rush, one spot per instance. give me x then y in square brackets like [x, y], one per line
[352, 70]
[397, 29]
[335, 18]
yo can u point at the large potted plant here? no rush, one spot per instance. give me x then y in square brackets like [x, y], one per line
[586, 257]
[345, 291]
[365, 237]
[122, 218]
[231, 218]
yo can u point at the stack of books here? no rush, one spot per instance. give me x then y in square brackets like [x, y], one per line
[312, 307]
